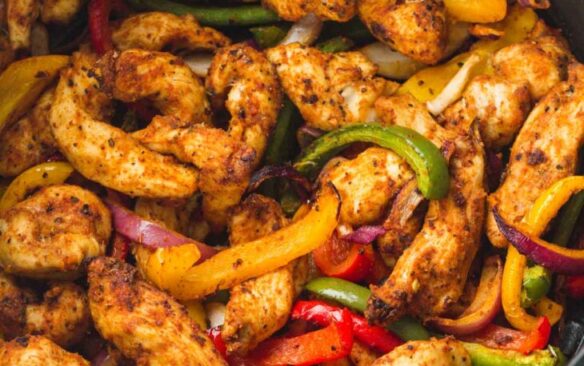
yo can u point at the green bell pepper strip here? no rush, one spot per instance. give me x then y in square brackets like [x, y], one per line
[355, 297]
[537, 279]
[213, 16]
[269, 35]
[421, 154]
[336, 44]
[484, 356]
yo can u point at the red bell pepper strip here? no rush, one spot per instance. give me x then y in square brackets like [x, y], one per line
[215, 335]
[495, 336]
[373, 336]
[341, 258]
[575, 286]
[99, 30]
[328, 344]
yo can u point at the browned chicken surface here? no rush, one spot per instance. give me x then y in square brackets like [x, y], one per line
[545, 151]
[37, 351]
[259, 307]
[434, 352]
[293, 10]
[417, 29]
[430, 276]
[28, 141]
[53, 233]
[146, 324]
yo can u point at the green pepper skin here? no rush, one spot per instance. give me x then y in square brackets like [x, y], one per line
[214, 16]
[344, 292]
[484, 356]
[421, 154]
[337, 44]
[268, 36]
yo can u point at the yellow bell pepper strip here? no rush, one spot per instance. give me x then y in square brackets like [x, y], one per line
[235, 265]
[541, 213]
[41, 175]
[23, 82]
[426, 84]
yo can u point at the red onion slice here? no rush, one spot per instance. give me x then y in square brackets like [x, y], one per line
[151, 234]
[365, 234]
[550, 256]
[281, 171]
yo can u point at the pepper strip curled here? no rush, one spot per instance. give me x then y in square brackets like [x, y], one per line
[421, 154]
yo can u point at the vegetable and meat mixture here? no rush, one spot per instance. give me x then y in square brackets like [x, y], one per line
[291, 182]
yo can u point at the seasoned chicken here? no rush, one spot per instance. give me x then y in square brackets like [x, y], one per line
[293, 10]
[28, 141]
[540, 62]
[59, 11]
[500, 106]
[37, 351]
[545, 151]
[434, 352]
[226, 159]
[418, 29]
[102, 152]
[367, 184]
[258, 307]
[161, 78]
[330, 90]
[53, 233]
[20, 16]
[430, 275]
[157, 31]
[146, 324]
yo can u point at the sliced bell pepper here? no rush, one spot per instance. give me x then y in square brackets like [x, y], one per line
[343, 259]
[371, 335]
[328, 344]
[421, 154]
[23, 82]
[495, 336]
[33, 178]
[235, 265]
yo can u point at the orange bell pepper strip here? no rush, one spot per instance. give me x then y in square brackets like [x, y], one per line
[235, 265]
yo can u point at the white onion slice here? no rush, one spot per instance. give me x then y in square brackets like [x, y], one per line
[454, 88]
[305, 31]
[390, 63]
[199, 63]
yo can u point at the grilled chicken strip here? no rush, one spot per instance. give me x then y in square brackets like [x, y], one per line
[430, 276]
[156, 31]
[146, 324]
[53, 233]
[29, 141]
[417, 29]
[293, 10]
[434, 352]
[330, 90]
[258, 307]
[37, 351]
[545, 151]
[102, 152]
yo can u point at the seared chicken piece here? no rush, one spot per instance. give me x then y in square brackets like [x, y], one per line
[367, 184]
[156, 31]
[29, 141]
[293, 10]
[59, 11]
[500, 106]
[540, 62]
[361, 355]
[226, 159]
[146, 324]
[163, 79]
[53, 233]
[330, 90]
[435, 352]
[258, 307]
[545, 151]
[37, 351]
[418, 29]
[20, 16]
[430, 276]
[102, 152]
